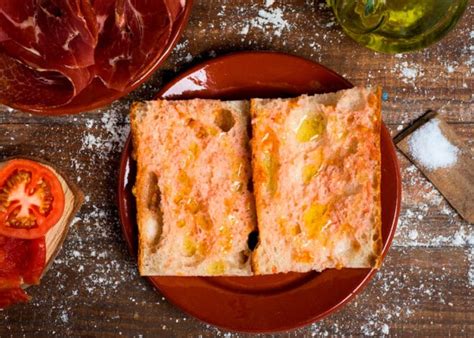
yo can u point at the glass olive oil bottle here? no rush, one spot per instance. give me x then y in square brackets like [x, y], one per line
[395, 26]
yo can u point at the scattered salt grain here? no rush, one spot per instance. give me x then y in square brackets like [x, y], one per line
[188, 58]
[244, 30]
[269, 3]
[64, 317]
[431, 148]
[271, 18]
[470, 274]
[409, 72]
[413, 234]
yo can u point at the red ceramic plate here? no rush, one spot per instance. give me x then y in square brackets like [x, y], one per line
[264, 303]
[96, 95]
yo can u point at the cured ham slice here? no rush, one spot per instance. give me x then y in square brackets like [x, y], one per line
[12, 296]
[52, 33]
[135, 31]
[22, 84]
[175, 8]
[51, 50]
[45, 45]
[3, 36]
[21, 262]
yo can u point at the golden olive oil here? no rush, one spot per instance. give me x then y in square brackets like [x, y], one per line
[395, 26]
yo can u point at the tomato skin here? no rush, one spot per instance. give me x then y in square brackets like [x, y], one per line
[38, 174]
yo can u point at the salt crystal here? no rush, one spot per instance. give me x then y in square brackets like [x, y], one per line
[450, 68]
[431, 148]
[413, 234]
[270, 18]
[269, 3]
[244, 30]
[470, 274]
[64, 317]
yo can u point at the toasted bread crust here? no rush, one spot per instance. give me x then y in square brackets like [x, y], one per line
[378, 242]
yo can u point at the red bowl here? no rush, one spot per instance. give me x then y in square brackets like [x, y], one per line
[262, 303]
[96, 95]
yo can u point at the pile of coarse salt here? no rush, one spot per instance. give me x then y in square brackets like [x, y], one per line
[431, 148]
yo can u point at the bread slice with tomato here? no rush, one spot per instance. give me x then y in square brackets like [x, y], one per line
[316, 166]
[194, 209]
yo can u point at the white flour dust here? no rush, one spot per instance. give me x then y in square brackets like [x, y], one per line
[269, 3]
[471, 266]
[409, 72]
[270, 19]
[115, 133]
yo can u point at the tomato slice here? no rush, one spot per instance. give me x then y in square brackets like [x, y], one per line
[22, 261]
[31, 199]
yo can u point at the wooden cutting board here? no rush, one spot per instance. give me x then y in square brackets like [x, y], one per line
[433, 146]
[57, 234]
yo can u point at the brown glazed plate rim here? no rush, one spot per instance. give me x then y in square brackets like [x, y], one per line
[262, 303]
[109, 96]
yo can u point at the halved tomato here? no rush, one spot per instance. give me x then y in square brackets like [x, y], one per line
[31, 199]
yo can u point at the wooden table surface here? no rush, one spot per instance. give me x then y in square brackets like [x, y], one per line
[425, 286]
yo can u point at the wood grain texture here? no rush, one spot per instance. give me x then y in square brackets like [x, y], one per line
[425, 286]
